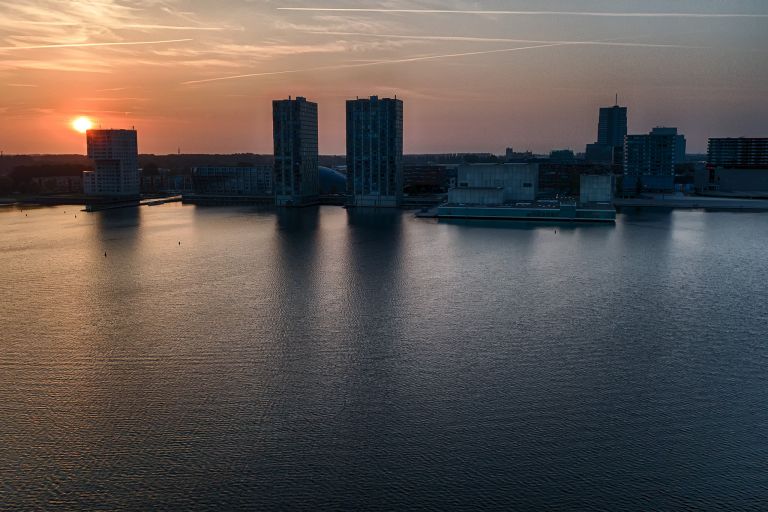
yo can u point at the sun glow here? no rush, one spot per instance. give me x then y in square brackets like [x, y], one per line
[81, 124]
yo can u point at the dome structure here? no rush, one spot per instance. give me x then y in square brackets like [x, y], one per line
[332, 181]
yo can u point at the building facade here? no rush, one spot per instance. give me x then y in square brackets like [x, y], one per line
[611, 132]
[736, 182]
[296, 178]
[490, 184]
[596, 188]
[234, 181]
[612, 126]
[426, 179]
[115, 158]
[649, 160]
[739, 152]
[735, 167]
[375, 152]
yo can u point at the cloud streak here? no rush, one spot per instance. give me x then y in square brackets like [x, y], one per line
[528, 13]
[87, 45]
[373, 63]
[140, 26]
[506, 40]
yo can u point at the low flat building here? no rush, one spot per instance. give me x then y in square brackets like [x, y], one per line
[508, 192]
[558, 180]
[735, 182]
[518, 182]
[595, 188]
[58, 184]
[599, 153]
[562, 156]
[233, 181]
[421, 179]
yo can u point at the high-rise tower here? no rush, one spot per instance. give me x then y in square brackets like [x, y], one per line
[294, 126]
[115, 157]
[375, 151]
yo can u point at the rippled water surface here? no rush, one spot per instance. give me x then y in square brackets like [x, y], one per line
[318, 360]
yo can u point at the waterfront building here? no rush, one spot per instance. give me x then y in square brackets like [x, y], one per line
[167, 183]
[735, 167]
[253, 180]
[495, 184]
[115, 158]
[739, 152]
[596, 188]
[296, 180]
[375, 152]
[650, 159]
[426, 179]
[508, 192]
[58, 184]
[732, 181]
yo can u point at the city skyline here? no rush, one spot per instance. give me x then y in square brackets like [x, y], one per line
[521, 74]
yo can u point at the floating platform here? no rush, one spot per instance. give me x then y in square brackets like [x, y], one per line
[530, 212]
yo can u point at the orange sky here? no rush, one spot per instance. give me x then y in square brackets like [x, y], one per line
[470, 81]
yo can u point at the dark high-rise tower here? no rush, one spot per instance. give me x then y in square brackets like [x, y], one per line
[294, 126]
[612, 126]
[375, 151]
[115, 158]
[611, 131]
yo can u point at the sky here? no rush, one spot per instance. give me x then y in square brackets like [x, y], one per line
[199, 75]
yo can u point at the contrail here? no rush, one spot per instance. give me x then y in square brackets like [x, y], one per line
[531, 13]
[171, 27]
[504, 40]
[85, 45]
[374, 63]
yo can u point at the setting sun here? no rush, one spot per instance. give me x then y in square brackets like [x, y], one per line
[81, 124]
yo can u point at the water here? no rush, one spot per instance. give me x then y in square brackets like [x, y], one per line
[315, 360]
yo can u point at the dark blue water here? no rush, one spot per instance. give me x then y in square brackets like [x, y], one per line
[316, 360]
